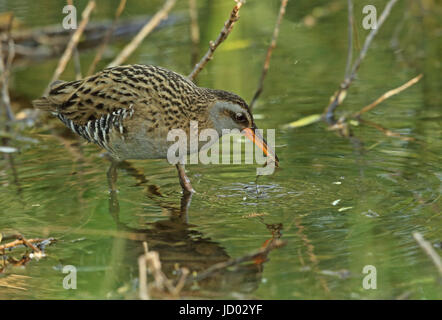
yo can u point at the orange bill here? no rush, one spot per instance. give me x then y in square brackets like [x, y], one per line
[259, 141]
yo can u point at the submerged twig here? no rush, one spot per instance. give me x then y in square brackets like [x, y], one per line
[150, 261]
[387, 95]
[269, 53]
[36, 245]
[20, 240]
[339, 96]
[225, 31]
[72, 43]
[386, 131]
[310, 249]
[106, 38]
[274, 244]
[426, 246]
[143, 33]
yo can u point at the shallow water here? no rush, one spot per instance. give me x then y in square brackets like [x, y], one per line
[339, 203]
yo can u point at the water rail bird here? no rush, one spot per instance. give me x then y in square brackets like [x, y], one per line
[129, 110]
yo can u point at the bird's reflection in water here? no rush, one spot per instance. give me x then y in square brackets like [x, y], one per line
[180, 246]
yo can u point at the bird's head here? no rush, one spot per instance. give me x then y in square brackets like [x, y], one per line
[229, 111]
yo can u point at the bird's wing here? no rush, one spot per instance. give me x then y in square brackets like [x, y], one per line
[96, 96]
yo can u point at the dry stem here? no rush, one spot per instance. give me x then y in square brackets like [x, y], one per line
[269, 53]
[20, 240]
[386, 131]
[143, 33]
[5, 70]
[150, 261]
[194, 30]
[225, 31]
[77, 64]
[350, 38]
[340, 94]
[72, 43]
[274, 244]
[107, 37]
[387, 95]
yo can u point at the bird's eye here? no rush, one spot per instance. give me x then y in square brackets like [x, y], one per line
[239, 117]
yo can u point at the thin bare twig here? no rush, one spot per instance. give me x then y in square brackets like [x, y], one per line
[150, 261]
[269, 53]
[225, 31]
[182, 281]
[194, 30]
[350, 38]
[77, 64]
[274, 244]
[386, 131]
[387, 95]
[357, 43]
[426, 246]
[20, 241]
[5, 70]
[310, 249]
[339, 96]
[72, 43]
[370, 38]
[143, 33]
[142, 278]
[106, 38]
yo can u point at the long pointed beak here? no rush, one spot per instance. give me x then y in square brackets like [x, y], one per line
[259, 141]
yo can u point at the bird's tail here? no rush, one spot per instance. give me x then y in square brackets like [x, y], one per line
[44, 104]
[59, 92]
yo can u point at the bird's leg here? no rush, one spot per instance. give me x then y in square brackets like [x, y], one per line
[184, 180]
[185, 204]
[112, 176]
[114, 206]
